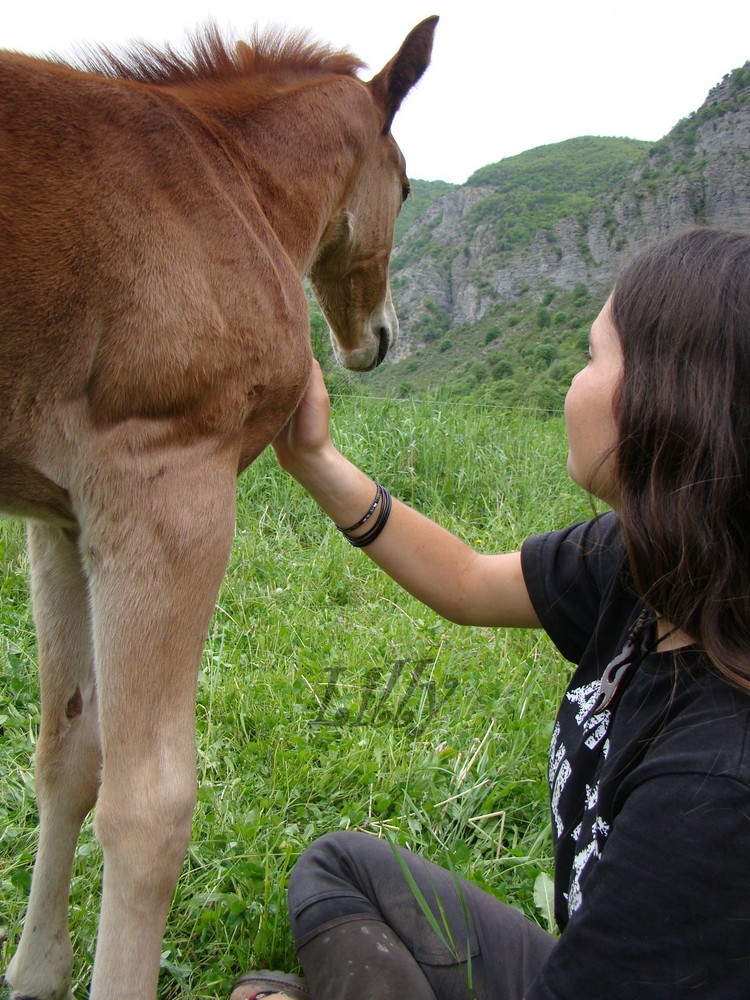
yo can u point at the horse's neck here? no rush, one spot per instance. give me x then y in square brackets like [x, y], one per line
[300, 158]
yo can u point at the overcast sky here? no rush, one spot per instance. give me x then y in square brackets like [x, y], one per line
[504, 78]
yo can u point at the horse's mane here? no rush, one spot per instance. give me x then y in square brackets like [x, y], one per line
[212, 57]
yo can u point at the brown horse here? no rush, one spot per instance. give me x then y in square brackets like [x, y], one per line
[157, 215]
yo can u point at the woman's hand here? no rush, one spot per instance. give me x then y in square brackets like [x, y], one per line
[307, 434]
[426, 560]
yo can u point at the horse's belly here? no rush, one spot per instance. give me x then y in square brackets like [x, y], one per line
[26, 492]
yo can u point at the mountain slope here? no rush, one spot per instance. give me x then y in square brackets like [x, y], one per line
[473, 271]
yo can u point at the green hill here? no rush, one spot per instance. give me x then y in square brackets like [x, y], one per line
[534, 190]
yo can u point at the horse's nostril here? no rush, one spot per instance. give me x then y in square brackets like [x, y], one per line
[384, 335]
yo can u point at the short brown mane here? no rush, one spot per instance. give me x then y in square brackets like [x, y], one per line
[212, 57]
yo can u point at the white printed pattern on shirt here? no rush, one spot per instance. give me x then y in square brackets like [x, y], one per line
[595, 729]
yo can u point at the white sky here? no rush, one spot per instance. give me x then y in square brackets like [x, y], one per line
[504, 78]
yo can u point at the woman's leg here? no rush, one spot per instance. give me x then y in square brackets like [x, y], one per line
[361, 933]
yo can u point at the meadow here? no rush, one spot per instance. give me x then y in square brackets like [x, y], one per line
[330, 699]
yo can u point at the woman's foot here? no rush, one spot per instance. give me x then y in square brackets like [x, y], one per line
[265, 995]
[264, 985]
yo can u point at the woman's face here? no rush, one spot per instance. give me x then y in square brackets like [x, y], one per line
[589, 412]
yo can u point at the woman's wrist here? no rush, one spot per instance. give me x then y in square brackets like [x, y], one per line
[316, 470]
[369, 527]
[342, 490]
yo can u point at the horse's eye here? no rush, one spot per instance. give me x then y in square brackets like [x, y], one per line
[405, 190]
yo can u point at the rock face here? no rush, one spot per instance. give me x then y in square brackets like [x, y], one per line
[699, 174]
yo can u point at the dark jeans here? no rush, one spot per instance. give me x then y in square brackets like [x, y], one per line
[347, 886]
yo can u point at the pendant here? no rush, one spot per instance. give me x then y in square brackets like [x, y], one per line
[614, 674]
[618, 670]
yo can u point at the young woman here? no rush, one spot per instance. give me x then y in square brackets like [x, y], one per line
[649, 763]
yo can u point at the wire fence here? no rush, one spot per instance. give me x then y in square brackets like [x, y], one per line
[438, 400]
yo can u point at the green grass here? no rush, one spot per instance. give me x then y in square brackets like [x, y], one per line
[330, 699]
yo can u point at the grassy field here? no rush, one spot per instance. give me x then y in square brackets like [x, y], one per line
[330, 699]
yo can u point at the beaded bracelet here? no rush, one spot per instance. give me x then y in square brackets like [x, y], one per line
[383, 501]
[369, 513]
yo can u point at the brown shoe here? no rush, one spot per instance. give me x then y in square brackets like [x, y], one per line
[262, 983]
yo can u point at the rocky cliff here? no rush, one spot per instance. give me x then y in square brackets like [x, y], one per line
[455, 263]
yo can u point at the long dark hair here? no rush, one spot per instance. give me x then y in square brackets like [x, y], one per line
[682, 312]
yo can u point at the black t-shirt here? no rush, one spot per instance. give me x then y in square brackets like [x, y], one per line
[650, 798]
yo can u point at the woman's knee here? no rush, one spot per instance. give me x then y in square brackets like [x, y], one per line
[322, 858]
[324, 885]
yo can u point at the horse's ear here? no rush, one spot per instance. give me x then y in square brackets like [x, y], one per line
[395, 80]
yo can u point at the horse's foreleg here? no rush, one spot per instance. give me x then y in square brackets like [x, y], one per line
[154, 581]
[67, 759]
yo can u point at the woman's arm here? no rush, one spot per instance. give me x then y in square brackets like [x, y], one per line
[428, 561]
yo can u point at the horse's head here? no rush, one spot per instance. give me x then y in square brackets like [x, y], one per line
[350, 272]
